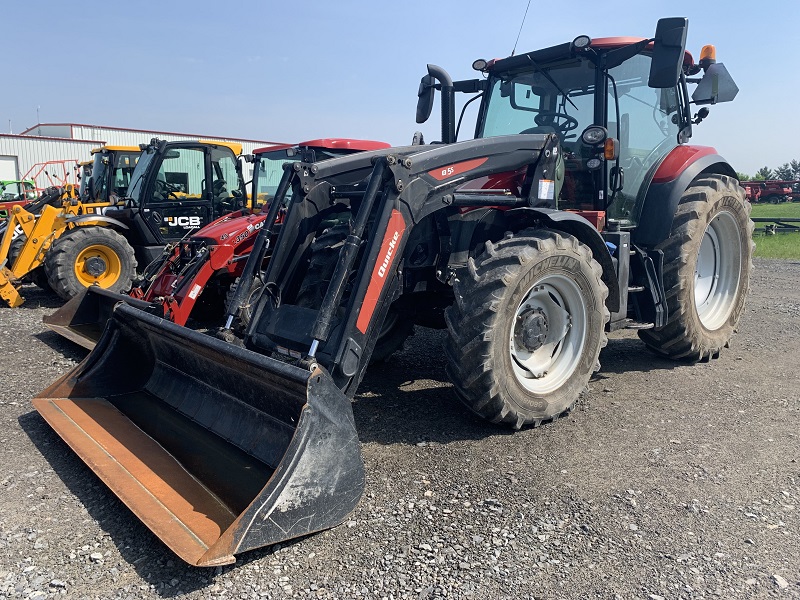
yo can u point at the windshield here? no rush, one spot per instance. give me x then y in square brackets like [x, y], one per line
[268, 172]
[531, 103]
[136, 183]
[13, 190]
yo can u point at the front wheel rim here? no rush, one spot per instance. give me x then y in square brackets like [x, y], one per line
[548, 334]
[98, 264]
[717, 271]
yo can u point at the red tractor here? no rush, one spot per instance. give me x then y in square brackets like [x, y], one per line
[196, 275]
[577, 209]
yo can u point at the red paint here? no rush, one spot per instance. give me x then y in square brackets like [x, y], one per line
[510, 181]
[446, 172]
[345, 144]
[382, 269]
[610, 43]
[329, 144]
[678, 160]
[226, 229]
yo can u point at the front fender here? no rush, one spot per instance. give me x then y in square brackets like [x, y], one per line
[674, 175]
[85, 219]
[583, 230]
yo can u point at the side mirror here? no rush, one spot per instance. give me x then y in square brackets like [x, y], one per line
[425, 99]
[717, 85]
[669, 47]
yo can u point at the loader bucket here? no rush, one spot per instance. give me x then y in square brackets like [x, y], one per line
[217, 449]
[83, 318]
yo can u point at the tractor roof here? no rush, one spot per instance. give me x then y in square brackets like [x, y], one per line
[522, 62]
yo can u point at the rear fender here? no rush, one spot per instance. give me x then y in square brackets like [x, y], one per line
[674, 175]
[575, 225]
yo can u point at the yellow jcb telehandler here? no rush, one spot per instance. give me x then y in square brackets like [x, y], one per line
[31, 230]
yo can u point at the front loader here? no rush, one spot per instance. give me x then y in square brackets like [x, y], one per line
[573, 212]
[198, 275]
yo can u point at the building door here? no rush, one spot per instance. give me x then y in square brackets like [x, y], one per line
[8, 168]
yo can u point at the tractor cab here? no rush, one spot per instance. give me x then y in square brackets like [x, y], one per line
[268, 162]
[619, 106]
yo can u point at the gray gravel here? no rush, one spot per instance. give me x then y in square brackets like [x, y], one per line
[669, 481]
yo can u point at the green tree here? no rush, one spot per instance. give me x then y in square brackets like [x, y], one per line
[784, 172]
[742, 176]
[764, 173]
[795, 169]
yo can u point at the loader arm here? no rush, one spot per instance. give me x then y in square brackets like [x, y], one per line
[403, 188]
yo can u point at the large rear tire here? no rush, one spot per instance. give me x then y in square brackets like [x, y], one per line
[86, 256]
[526, 328]
[708, 258]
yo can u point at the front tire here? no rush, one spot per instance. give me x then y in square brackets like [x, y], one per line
[708, 258]
[86, 256]
[37, 275]
[526, 328]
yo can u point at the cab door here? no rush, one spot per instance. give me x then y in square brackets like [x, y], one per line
[179, 200]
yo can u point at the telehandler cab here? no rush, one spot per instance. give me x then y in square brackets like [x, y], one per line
[577, 209]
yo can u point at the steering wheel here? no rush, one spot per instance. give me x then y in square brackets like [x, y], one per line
[558, 120]
[165, 190]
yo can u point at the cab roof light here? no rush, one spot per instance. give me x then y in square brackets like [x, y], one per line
[708, 56]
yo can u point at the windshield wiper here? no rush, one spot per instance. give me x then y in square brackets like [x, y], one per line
[551, 80]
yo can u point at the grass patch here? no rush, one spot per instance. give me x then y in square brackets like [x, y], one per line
[785, 210]
[781, 245]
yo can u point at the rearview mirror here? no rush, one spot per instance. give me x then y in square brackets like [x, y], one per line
[425, 99]
[669, 47]
[172, 154]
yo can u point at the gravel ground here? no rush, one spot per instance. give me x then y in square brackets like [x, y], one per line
[668, 481]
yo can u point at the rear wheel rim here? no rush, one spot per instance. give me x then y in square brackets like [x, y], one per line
[98, 264]
[554, 307]
[717, 271]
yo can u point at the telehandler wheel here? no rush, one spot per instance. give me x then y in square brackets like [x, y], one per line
[88, 255]
[708, 258]
[37, 276]
[526, 328]
[324, 256]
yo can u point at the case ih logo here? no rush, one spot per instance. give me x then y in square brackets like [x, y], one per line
[394, 231]
[185, 222]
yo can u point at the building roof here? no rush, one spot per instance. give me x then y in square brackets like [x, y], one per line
[27, 132]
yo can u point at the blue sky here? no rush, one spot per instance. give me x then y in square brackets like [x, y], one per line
[291, 71]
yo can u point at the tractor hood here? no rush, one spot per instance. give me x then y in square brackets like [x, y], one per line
[231, 229]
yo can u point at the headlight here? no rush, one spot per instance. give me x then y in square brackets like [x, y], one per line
[594, 135]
